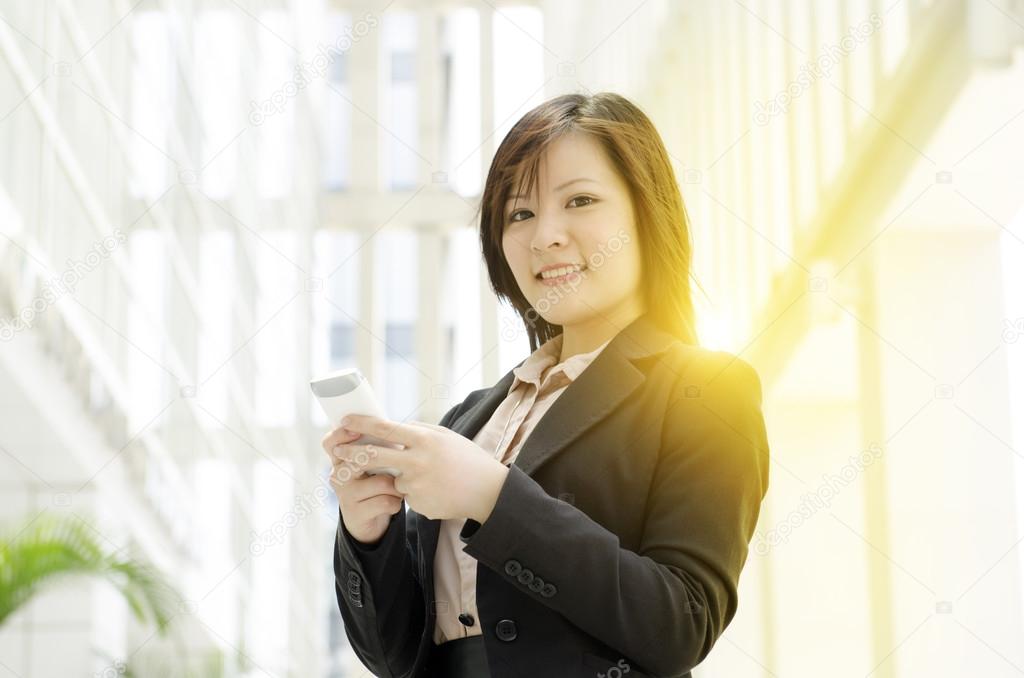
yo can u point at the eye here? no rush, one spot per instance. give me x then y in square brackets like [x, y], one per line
[582, 197]
[589, 200]
[512, 217]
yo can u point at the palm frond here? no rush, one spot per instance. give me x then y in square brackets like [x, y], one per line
[50, 549]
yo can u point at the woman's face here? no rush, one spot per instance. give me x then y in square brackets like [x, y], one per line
[581, 214]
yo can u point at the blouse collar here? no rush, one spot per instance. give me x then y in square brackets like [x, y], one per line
[541, 363]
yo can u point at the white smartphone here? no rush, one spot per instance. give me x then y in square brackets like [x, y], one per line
[345, 392]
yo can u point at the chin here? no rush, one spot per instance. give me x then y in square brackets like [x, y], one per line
[564, 311]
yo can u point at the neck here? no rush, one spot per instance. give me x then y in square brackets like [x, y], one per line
[585, 336]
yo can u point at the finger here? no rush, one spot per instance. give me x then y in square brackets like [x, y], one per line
[367, 487]
[381, 457]
[343, 475]
[384, 504]
[337, 437]
[370, 457]
[360, 459]
[382, 429]
[342, 452]
[393, 495]
[355, 454]
[331, 443]
[337, 430]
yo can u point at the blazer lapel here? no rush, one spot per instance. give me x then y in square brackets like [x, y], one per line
[607, 381]
[598, 390]
[595, 393]
[470, 422]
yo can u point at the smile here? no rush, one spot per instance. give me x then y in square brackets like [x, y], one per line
[560, 275]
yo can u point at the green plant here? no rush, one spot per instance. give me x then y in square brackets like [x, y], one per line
[50, 549]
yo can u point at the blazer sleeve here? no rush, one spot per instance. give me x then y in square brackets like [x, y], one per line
[379, 593]
[664, 605]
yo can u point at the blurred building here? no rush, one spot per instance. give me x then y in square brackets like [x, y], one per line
[204, 204]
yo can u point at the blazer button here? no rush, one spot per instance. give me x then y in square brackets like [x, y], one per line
[536, 585]
[357, 600]
[466, 619]
[548, 590]
[513, 567]
[525, 577]
[506, 630]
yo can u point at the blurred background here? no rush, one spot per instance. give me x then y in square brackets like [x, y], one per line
[203, 204]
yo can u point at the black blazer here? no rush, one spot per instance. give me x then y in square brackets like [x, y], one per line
[617, 539]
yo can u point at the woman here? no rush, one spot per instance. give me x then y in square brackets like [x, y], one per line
[589, 514]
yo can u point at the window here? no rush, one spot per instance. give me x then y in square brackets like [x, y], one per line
[217, 66]
[460, 45]
[272, 337]
[518, 65]
[278, 89]
[145, 312]
[338, 128]
[152, 104]
[396, 251]
[337, 264]
[217, 279]
[401, 138]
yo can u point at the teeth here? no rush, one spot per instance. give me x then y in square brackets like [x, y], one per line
[558, 272]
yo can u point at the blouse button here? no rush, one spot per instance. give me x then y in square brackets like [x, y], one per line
[466, 619]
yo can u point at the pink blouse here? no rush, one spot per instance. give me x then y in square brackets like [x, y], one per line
[535, 386]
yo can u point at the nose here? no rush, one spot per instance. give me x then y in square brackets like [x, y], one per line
[549, 234]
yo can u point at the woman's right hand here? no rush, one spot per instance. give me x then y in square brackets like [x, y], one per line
[366, 502]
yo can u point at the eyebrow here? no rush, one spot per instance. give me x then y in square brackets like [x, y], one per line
[558, 188]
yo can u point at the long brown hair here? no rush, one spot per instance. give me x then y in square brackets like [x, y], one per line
[638, 154]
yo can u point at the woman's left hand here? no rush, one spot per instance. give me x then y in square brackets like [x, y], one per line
[443, 474]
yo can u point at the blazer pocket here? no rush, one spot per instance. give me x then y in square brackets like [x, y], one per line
[595, 667]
